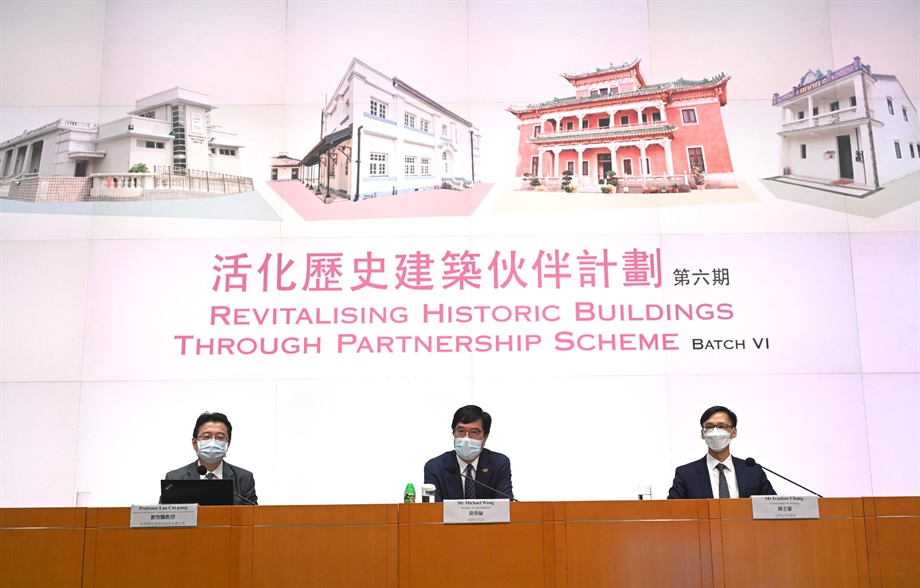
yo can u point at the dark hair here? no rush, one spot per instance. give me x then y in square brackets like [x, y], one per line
[470, 413]
[213, 417]
[714, 409]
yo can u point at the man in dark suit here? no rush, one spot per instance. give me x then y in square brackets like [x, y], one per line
[470, 427]
[716, 475]
[211, 440]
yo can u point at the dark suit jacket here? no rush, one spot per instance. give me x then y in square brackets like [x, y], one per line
[494, 469]
[243, 482]
[692, 480]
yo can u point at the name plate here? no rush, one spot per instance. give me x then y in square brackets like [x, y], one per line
[477, 511]
[785, 507]
[164, 515]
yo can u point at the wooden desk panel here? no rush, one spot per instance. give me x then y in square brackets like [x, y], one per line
[328, 546]
[856, 542]
[829, 551]
[118, 556]
[632, 543]
[41, 547]
[432, 554]
[893, 530]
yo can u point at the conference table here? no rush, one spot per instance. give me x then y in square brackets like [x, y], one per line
[873, 541]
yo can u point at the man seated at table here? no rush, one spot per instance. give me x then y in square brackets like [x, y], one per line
[211, 440]
[716, 475]
[469, 458]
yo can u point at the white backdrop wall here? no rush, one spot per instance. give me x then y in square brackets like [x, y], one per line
[96, 396]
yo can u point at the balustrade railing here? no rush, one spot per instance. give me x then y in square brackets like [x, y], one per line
[175, 178]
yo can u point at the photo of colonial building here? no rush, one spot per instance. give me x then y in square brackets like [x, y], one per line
[850, 130]
[169, 132]
[616, 122]
[284, 167]
[381, 136]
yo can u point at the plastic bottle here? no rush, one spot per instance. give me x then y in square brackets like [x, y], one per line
[409, 494]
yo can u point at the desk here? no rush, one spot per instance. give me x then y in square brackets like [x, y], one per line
[856, 542]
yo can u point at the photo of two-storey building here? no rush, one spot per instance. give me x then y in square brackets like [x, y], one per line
[849, 130]
[647, 134]
[383, 137]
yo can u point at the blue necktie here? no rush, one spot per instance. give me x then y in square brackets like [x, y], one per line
[469, 489]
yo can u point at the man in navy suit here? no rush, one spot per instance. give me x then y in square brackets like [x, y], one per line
[716, 475]
[455, 473]
[210, 440]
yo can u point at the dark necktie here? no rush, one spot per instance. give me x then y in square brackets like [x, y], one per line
[469, 490]
[723, 482]
[210, 476]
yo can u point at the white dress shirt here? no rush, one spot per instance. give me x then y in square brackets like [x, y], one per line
[730, 477]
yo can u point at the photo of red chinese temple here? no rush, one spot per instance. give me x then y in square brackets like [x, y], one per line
[648, 134]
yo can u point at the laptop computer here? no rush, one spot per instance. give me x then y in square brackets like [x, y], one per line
[202, 492]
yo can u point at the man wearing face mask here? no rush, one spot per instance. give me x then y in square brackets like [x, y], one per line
[211, 439]
[455, 473]
[716, 475]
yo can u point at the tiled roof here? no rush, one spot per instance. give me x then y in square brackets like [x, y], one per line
[285, 161]
[601, 70]
[678, 85]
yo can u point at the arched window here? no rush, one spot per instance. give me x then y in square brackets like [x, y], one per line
[445, 158]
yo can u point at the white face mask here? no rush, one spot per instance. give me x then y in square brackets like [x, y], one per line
[717, 439]
[212, 450]
[468, 449]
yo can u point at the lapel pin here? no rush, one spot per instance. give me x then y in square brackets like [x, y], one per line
[485, 470]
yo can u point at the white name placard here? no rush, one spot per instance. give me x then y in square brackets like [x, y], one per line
[785, 507]
[477, 511]
[164, 515]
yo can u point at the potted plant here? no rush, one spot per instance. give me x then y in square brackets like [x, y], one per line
[570, 187]
[535, 181]
[611, 178]
[699, 178]
[567, 179]
[607, 188]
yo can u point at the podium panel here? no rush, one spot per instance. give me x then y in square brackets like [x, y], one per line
[632, 543]
[893, 530]
[830, 551]
[329, 546]
[117, 556]
[41, 547]
[432, 554]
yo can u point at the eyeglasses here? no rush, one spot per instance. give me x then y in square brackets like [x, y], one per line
[726, 428]
[472, 433]
[209, 436]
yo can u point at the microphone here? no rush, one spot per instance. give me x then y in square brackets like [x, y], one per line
[453, 470]
[751, 463]
[203, 470]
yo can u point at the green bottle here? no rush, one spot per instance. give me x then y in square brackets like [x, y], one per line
[409, 494]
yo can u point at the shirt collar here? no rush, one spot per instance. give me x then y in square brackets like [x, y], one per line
[463, 464]
[712, 462]
[218, 471]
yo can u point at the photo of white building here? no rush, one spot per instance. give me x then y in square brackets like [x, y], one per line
[284, 167]
[381, 137]
[850, 130]
[169, 132]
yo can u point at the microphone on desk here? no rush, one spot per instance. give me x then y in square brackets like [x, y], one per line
[751, 463]
[452, 470]
[203, 470]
